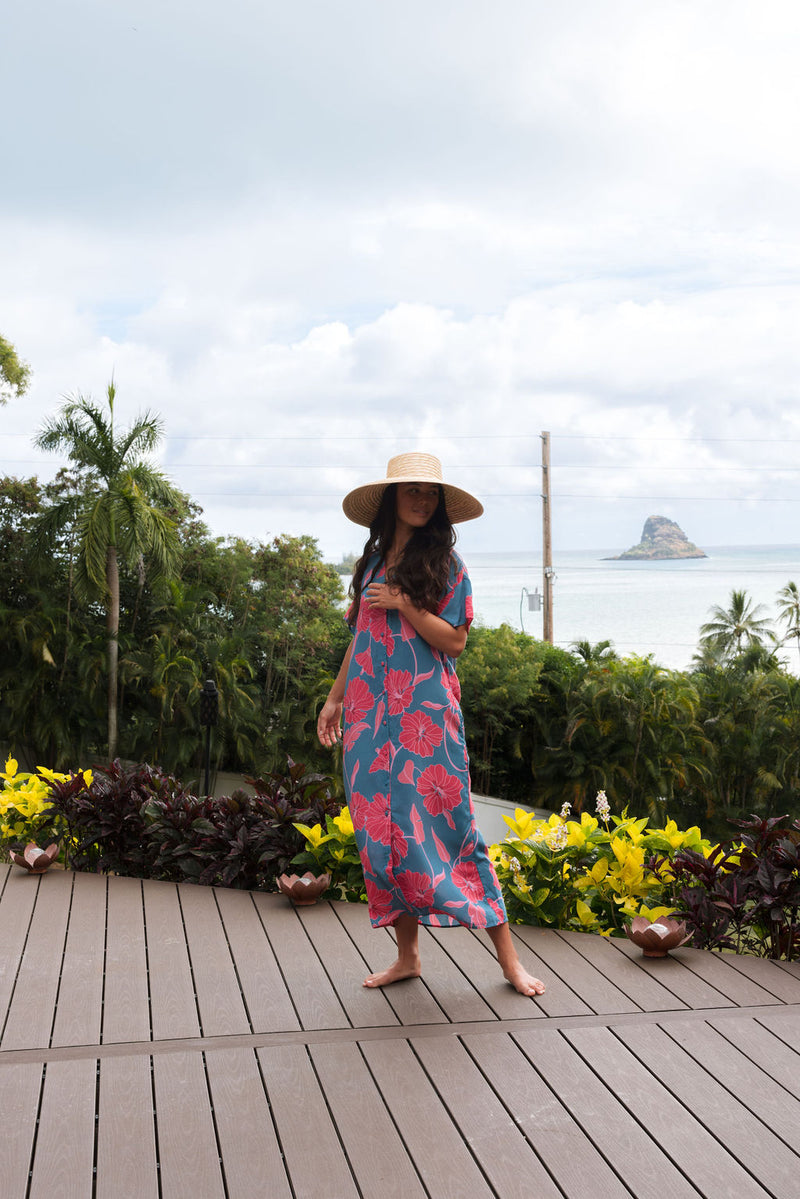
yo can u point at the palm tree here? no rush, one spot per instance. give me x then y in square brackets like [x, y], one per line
[789, 611]
[736, 627]
[120, 513]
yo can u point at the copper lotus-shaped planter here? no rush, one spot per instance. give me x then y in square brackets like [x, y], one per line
[306, 889]
[656, 938]
[35, 860]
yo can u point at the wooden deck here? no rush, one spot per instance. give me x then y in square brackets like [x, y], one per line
[172, 1041]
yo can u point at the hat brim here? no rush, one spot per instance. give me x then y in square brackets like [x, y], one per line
[361, 505]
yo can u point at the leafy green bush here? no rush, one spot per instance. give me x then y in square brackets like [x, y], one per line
[334, 852]
[594, 874]
[26, 810]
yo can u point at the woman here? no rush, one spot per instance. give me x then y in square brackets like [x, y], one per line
[406, 769]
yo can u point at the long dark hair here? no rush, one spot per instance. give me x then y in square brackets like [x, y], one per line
[423, 567]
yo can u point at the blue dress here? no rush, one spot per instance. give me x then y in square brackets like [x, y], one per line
[406, 770]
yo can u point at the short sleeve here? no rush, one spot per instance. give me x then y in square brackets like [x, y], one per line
[456, 604]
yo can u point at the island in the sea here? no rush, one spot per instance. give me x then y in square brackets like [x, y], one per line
[661, 538]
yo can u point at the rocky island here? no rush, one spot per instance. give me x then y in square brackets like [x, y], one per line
[661, 538]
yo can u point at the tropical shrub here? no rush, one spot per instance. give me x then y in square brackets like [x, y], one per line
[26, 809]
[144, 823]
[334, 852]
[744, 897]
[104, 817]
[592, 874]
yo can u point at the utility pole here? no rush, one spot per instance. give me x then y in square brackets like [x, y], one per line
[547, 544]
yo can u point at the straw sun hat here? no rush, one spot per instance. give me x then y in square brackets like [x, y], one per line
[361, 504]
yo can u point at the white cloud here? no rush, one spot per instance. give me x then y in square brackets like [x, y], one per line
[368, 228]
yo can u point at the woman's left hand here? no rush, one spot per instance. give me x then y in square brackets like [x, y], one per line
[381, 595]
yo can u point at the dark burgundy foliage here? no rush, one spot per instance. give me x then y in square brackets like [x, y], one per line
[143, 823]
[746, 900]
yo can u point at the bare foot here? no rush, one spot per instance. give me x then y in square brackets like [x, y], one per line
[397, 971]
[523, 982]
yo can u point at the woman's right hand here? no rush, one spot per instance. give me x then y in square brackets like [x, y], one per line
[329, 723]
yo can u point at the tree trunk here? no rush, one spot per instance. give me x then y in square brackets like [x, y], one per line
[112, 628]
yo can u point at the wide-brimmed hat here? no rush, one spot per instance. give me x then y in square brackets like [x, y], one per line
[361, 504]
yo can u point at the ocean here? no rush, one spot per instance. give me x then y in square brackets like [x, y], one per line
[642, 607]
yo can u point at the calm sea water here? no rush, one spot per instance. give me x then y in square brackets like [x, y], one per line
[642, 607]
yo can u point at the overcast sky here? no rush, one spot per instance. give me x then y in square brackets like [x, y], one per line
[311, 235]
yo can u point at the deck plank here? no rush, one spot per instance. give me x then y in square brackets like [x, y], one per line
[269, 1004]
[126, 1141]
[64, 1161]
[79, 1009]
[315, 1000]
[172, 1000]
[581, 976]
[126, 1001]
[688, 1144]
[248, 1143]
[559, 999]
[676, 976]
[32, 1009]
[374, 1149]
[765, 1049]
[781, 983]
[345, 967]
[285, 1071]
[646, 992]
[187, 1141]
[219, 997]
[756, 1090]
[723, 1114]
[477, 961]
[575, 1163]
[630, 1150]
[505, 1156]
[411, 1001]
[783, 1023]
[20, 1091]
[439, 1152]
[16, 909]
[309, 1141]
[445, 981]
[716, 969]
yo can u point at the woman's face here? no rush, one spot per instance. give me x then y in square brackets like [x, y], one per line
[416, 504]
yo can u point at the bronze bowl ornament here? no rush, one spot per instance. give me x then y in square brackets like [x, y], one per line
[304, 890]
[655, 938]
[35, 860]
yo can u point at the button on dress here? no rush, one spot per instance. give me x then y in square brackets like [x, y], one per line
[406, 770]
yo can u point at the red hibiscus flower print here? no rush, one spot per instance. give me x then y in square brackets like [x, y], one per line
[452, 724]
[417, 888]
[418, 734]
[364, 660]
[377, 820]
[382, 759]
[452, 686]
[399, 691]
[381, 903]
[465, 876]
[440, 791]
[358, 701]
[477, 916]
[399, 844]
[357, 805]
[406, 775]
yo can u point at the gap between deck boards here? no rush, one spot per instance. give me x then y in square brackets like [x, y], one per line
[61, 1053]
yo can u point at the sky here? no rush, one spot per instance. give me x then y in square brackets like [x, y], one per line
[311, 236]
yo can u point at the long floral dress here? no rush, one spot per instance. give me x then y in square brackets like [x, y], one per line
[407, 772]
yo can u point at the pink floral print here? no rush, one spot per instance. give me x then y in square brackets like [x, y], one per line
[407, 773]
